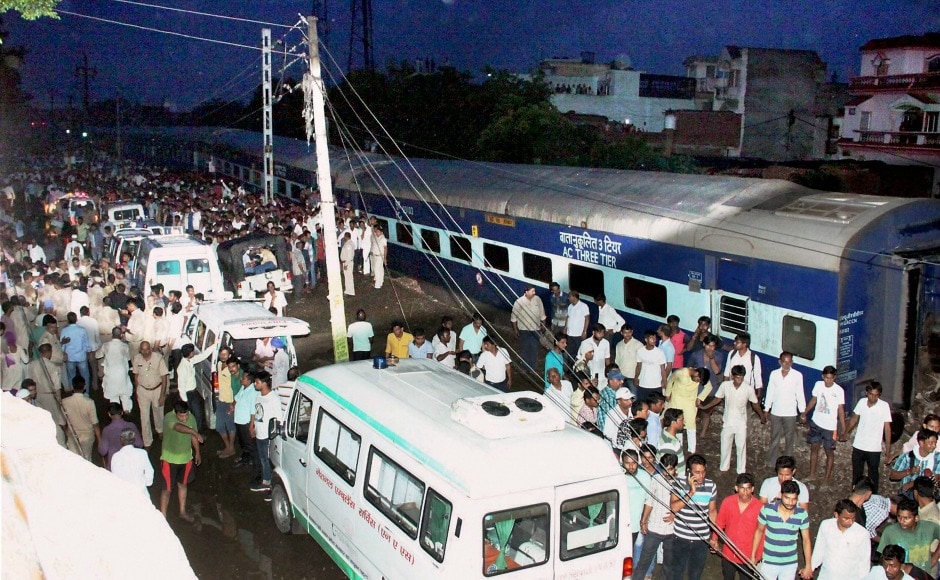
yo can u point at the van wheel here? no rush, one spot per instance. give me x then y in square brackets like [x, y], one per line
[281, 509]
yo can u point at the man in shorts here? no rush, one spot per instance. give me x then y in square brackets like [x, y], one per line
[828, 407]
[179, 456]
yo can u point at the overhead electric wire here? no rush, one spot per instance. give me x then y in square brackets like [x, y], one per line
[169, 32]
[197, 13]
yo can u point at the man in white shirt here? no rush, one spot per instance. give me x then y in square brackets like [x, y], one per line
[828, 400]
[495, 364]
[892, 565]
[94, 339]
[598, 365]
[528, 319]
[744, 356]
[366, 235]
[736, 396]
[361, 334]
[785, 401]
[650, 373]
[608, 316]
[576, 325]
[186, 379]
[275, 299]
[132, 464]
[625, 354]
[443, 352]
[842, 548]
[873, 418]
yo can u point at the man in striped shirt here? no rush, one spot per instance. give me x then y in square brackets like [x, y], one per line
[695, 506]
[780, 524]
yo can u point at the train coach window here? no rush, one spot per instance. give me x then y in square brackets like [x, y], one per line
[733, 315]
[588, 281]
[536, 267]
[644, 296]
[383, 225]
[404, 234]
[337, 446]
[394, 492]
[431, 241]
[496, 257]
[460, 249]
[799, 337]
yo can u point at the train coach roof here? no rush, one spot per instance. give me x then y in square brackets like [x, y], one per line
[410, 406]
[762, 218]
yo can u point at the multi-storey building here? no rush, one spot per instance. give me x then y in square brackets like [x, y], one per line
[894, 115]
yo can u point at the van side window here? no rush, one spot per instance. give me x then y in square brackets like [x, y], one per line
[337, 446]
[515, 539]
[168, 268]
[435, 522]
[210, 339]
[395, 492]
[197, 266]
[298, 426]
[200, 334]
[589, 525]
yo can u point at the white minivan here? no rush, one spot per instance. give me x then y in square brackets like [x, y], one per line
[418, 471]
[237, 325]
[178, 261]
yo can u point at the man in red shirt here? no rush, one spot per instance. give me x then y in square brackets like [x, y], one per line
[737, 518]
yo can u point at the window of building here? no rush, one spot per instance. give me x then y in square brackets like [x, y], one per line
[933, 64]
[435, 522]
[852, 111]
[431, 241]
[931, 121]
[515, 539]
[734, 78]
[496, 257]
[337, 446]
[799, 337]
[588, 525]
[732, 314]
[864, 123]
[881, 67]
[394, 492]
[535, 267]
[644, 296]
[587, 281]
[460, 249]
[404, 234]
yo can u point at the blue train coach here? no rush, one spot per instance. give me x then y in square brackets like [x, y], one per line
[837, 279]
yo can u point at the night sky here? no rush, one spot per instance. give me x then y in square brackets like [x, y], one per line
[514, 34]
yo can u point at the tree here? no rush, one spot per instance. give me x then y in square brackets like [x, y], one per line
[31, 9]
[535, 133]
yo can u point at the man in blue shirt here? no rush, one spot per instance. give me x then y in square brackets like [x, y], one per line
[76, 345]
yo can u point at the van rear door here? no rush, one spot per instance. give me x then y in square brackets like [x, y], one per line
[593, 527]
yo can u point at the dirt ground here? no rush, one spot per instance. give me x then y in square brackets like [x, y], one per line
[420, 304]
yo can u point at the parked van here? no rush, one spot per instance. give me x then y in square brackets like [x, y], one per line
[248, 263]
[418, 471]
[177, 261]
[126, 241]
[123, 214]
[237, 325]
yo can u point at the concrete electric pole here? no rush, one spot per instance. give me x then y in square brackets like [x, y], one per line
[267, 117]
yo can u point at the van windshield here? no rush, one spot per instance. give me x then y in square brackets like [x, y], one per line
[515, 539]
[589, 525]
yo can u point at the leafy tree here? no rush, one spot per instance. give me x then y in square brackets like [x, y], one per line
[534, 133]
[31, 9]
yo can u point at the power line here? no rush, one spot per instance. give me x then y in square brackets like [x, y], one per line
[197, 13]
[171, 33]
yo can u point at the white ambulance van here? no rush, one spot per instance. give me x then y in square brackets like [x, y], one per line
[418, 471]
[178, 261]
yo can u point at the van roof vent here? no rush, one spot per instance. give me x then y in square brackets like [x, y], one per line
[504, 415]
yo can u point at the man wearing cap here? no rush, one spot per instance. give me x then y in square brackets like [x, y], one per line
[281, 362]
[620, 411]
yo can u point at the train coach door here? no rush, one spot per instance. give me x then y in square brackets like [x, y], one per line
[730, 300]
[921, 327]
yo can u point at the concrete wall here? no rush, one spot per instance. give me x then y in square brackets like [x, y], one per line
[776, 82]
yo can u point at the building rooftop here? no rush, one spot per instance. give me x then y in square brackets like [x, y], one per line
[929, 40]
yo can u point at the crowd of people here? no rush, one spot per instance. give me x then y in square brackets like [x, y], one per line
[71, 324]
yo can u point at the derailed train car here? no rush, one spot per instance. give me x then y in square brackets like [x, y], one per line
[836, 278]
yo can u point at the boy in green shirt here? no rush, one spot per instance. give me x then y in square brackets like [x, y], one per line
[179, 454]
